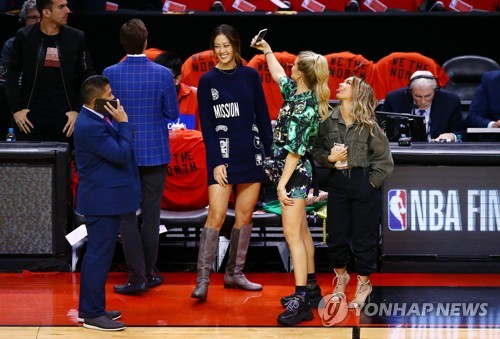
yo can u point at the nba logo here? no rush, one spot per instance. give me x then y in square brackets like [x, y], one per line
[397, 210]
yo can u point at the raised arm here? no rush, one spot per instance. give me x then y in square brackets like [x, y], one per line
[274, 66]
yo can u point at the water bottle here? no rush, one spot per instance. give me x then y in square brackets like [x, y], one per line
[11, 136]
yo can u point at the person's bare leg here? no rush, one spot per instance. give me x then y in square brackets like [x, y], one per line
[292, 218]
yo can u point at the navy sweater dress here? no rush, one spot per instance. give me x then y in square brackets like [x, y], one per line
[235, 123]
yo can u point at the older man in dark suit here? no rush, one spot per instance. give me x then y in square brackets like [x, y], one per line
[423, 96]
[108, 189]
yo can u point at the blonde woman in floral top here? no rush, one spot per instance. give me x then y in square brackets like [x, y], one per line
[305, 95]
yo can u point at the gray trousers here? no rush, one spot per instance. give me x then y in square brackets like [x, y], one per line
[140, 243]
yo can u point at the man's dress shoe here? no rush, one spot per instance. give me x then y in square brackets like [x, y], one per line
[129, 288]
[155, 280]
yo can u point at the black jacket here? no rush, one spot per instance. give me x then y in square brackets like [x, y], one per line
[27, 57]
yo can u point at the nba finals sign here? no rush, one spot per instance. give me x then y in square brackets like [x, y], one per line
[442, 211]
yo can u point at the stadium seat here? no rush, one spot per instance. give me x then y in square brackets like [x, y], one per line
[271, 88]
[465, 72]
[197, 64]
[393, 71]
[346, 64]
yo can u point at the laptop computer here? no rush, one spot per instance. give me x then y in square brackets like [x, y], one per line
[397, 125]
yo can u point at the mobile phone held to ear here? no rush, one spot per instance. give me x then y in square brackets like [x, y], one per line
[100, 103]
[261, 35]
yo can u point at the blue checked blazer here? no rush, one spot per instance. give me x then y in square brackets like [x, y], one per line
[147, 92]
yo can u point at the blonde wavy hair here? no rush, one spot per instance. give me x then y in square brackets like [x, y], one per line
[315, 69]
[364, 103]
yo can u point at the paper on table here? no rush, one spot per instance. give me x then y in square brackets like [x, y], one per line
[80, 233]
[77, 234]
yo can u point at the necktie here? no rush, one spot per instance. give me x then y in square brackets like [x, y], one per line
[108, 121]
[427, 123]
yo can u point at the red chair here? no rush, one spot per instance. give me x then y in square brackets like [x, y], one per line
[346, 64]
[195, 5]
[331, 5]
[197, 64]
[394, 71]
[396, 5]
[477, 5]
[271, 89]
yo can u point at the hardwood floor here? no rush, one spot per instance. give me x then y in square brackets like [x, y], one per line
[248, 333]
[44, 305]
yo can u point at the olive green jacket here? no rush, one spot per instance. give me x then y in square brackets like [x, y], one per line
[363, 149]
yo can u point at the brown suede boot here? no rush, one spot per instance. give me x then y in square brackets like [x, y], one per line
[238, 248]
[208, 244]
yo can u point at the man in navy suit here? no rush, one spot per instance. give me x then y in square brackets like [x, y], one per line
[484, 110]
[422, 96]
[108, 189]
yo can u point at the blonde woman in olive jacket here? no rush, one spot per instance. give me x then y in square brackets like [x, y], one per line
[351, 143]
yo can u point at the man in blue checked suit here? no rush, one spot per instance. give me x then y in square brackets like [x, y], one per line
[148, 92]
[108, 188]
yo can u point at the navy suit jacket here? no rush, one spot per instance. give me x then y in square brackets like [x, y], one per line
[108, 177]
[485, 105]
[446, 114]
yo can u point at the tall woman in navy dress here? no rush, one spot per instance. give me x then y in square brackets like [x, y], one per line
[305, 95]
[238, 135]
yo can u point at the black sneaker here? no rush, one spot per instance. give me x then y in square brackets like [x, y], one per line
[314, 295]
[103, 323]
[113, 315]
[297, 310]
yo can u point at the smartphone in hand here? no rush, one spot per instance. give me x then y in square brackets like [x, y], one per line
[261, 35]
[100, 104]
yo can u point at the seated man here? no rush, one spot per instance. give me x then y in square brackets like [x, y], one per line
[484, 110]
[423, 96]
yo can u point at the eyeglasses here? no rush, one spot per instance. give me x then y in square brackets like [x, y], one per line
[33, 17]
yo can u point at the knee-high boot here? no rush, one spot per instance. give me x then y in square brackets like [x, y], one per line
[206, 254]
[238, 248]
